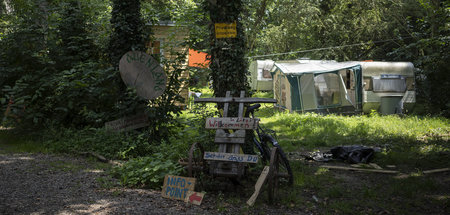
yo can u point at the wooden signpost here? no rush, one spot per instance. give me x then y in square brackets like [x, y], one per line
[177, 187]
[230, 134]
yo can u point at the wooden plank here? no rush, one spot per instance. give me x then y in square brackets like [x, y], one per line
[235, 137]
[223, 148]
[237, 148]
[226, 105]
[231, 123]
[232, 157]
[176, 187]
[359, 169]
[234, 100]
[259, 183]
[436, 170]
[241, 105]
[236, 134]
[229, 140]
[227, 169]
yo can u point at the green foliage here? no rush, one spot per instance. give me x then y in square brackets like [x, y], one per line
[51, 64]
[428, 49]
[149, 171]
[106, 143]
[162, 110]
[73, 43]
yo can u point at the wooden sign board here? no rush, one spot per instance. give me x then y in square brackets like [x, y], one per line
[225, 30]
[128, 123]
[236, 137]
[139, 70]
[195, 198]
[231, 123]
[241, 158]
[177, 187]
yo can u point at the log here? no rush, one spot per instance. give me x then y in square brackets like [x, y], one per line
[359, 169]
[436, 170]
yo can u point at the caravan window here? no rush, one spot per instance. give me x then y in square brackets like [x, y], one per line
[327, 89]
[389, 83]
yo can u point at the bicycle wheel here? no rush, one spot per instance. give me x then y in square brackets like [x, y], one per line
[284, 168]
[196, 163]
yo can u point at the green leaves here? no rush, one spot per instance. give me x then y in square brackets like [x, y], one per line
[148, 172]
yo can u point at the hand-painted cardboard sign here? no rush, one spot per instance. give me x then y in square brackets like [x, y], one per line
[128, 123]
[139, 70]
[231, 123]
[177, 187]
[219, 156]
[225, 30]
[195, 198]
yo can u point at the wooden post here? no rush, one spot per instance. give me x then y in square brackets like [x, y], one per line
[262, 178]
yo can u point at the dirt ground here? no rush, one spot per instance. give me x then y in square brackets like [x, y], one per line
[52, 184]
[57, 184]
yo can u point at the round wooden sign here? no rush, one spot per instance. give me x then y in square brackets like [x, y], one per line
[139, 70]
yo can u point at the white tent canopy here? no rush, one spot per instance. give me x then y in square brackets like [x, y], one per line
[301, 66]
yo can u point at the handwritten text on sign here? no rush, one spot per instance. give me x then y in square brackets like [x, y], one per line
[128, 123]
[225, 30]
[231, 123]
[176, 187]
[141, 71]
[242, 158]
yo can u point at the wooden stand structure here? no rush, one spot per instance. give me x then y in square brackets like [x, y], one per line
[230, 134]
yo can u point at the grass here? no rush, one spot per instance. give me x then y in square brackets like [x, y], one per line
[13, 142]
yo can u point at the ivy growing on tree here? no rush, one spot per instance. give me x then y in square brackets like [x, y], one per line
[127, 29]
[227, 55]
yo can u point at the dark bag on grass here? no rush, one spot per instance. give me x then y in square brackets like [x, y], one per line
[353, 154]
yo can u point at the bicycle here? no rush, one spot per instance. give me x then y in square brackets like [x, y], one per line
[276, 157]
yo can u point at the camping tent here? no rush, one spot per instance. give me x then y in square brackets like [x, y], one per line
[318, 86]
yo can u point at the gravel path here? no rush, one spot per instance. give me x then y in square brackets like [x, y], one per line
[48, 184]
[55, 184]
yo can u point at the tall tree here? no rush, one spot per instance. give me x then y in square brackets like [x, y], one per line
[127, 29]
[227, 55]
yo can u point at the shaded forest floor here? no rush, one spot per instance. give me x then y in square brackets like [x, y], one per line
[59, 184]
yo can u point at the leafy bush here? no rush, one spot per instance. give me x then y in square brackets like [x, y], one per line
[148, 172]
[111, 145]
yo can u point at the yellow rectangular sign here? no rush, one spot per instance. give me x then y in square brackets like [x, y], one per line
[225, 30]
